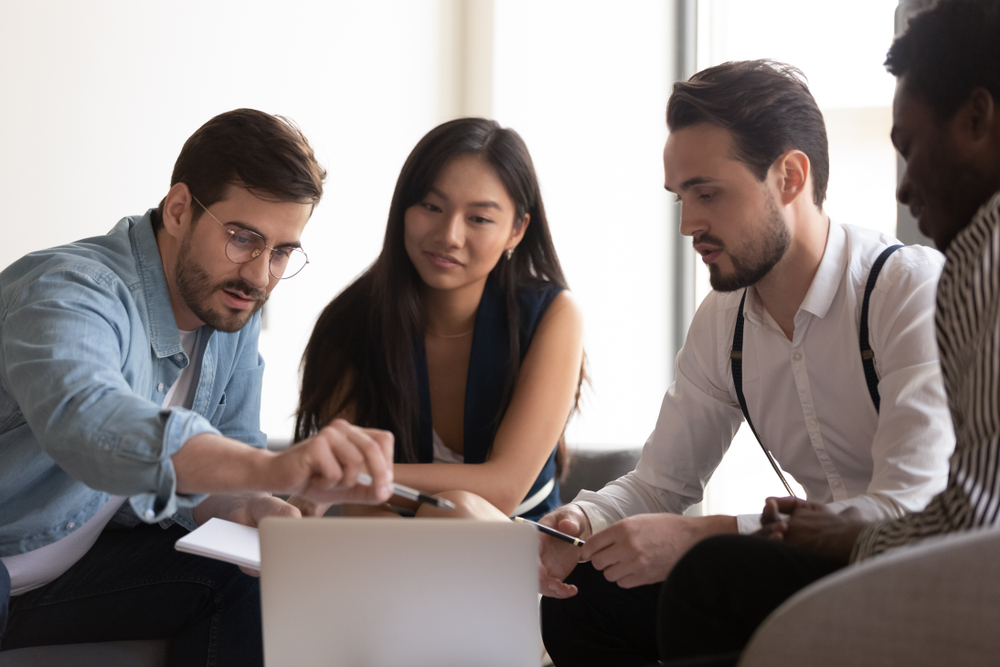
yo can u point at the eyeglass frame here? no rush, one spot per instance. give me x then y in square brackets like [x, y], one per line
[266, 247]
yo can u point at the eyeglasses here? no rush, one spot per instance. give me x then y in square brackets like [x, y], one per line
[246, 246]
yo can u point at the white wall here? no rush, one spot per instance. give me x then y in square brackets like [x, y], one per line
[100, 96]
[586, 85]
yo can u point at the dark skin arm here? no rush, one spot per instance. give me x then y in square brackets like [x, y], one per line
[812, 526]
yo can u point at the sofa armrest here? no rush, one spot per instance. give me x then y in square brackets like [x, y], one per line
[930, 604]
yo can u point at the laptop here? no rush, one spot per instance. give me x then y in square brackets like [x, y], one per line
[357, 592]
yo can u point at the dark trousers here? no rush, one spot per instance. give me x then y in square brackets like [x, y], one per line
[132, 584]
[603, 624]
[725, 587]
[704, 614]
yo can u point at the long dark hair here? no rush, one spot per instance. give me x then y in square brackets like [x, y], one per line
[360, 354]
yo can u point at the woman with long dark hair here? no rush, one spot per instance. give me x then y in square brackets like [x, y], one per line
[461, 338]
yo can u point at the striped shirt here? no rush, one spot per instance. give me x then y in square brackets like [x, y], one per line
[968, 335]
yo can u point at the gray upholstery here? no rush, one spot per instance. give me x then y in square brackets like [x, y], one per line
[592, 470]
[932, 604]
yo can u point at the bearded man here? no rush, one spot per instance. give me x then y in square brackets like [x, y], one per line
[816, 333]
[130, 388]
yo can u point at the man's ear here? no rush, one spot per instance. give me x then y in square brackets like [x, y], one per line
[791, 172]
[177, 211]
[978, 116]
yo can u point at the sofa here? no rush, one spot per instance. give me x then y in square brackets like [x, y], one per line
[933, 604]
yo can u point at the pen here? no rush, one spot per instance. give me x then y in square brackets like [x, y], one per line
[552, 531]
[411, 494]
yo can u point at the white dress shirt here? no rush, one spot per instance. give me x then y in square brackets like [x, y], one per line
[807, 397]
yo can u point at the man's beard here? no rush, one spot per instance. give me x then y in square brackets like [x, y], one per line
[765, 252]
[194, 286]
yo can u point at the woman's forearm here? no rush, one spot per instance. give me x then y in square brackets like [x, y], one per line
[503, 488]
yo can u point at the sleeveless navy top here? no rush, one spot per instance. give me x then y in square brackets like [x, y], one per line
[484, 384]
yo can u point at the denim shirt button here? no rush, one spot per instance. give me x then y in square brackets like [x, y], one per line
[70, 526]
[149, 514]
[159, 387]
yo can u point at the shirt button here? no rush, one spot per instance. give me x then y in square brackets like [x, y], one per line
[797, 356]
[837, 484]
[70, 526]
[149, 514]
[812, 423]
[179, 357]
[159, 387]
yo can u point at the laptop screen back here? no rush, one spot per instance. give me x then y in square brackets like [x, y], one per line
[384, 592]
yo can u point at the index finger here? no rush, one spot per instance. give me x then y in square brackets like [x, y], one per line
[385, 439]
[770, 513]
[600, 541]
[786, 505]
[379, 466]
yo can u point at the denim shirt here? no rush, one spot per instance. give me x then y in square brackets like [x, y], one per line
[88, 350]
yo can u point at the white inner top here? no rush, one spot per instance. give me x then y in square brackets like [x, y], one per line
[442, 454]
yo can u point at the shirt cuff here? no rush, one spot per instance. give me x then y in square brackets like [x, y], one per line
[598, 521]
[165, 502]
[747, 523]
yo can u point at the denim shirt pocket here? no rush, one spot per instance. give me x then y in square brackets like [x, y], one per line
[220, 410]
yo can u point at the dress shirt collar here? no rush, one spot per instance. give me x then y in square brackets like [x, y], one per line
[825, 283]
[829, 274]
[163, 335]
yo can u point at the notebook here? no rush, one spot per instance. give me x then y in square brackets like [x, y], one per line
[223, 540]
[384, 592]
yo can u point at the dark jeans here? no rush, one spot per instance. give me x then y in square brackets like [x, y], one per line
[132, 584]
[725, 587]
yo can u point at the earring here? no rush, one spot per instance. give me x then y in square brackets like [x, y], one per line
[510, 253]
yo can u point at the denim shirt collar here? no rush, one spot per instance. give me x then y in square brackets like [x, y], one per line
[163, 335]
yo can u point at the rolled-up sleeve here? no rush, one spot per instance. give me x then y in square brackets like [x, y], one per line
[65, 339]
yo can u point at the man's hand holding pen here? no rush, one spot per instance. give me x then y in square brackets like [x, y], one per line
[557, 558]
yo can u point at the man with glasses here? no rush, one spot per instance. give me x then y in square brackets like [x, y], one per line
[130, 388]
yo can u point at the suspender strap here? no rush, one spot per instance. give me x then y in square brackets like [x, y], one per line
[867, 356]
[736, 359]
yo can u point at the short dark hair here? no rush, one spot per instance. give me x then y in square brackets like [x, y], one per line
[949, 50]
[765, 105]
[266, 154]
